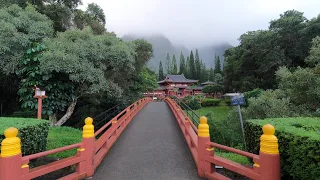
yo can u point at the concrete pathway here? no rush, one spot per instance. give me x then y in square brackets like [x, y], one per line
[152, 147]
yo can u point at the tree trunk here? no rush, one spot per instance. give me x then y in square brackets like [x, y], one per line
[68, 113]
[53, 119]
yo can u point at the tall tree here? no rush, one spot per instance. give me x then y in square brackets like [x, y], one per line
[192, 66]
[217, 65]
[187, 69]
[289, 28]
[161, 76]
[204, 73]
[168, 64]
[211, 74]
[198, 66]
[174, 65]
[182, 69]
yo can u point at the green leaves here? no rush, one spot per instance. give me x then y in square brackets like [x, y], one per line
[18, 29]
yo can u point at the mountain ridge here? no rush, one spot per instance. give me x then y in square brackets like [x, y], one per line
[162, 45]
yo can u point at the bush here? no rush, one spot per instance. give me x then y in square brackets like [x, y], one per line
[210, 102]
[228, 101]
[192, 102]
[63, 136]
[252, 94]
[226, 131]
[32, 132]
[299, 142]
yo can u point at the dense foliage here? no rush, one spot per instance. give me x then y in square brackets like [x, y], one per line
[80, 65]
[253, 63]
[192, 101]
[299, 141]
[32, 132]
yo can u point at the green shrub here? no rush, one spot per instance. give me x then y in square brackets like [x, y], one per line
[32, 132]
[252, 94]
[210, 102]
[299, 142]
[192, 102]
[228, 101]
[63, 136]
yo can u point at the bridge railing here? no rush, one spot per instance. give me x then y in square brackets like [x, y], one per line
[90, 152]
[266, 165]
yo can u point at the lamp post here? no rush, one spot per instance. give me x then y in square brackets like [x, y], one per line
[39, 95]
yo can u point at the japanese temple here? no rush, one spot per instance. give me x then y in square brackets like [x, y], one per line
[176, 85]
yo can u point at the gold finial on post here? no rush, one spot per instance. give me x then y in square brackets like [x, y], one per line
[88, 128]
[11, 145]
[268, 141]
[203, 128]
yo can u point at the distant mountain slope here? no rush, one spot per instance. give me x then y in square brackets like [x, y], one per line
[162, 46]
[207, 53]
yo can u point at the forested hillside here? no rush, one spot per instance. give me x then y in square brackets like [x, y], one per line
[162, 46]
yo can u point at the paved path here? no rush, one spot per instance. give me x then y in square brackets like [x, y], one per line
[152, 147]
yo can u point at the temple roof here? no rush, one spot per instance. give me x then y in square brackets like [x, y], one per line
[177, 79]
[208, 83]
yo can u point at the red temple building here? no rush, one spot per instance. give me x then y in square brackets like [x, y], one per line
[176, 85]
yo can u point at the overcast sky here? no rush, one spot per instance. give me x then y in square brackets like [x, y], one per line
[194, 23]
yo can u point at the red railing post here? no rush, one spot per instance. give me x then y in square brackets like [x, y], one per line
[269, 154]
[11, 157]
[88, 146]
[203, 140]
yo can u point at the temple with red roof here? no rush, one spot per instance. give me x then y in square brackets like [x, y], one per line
[176, 85]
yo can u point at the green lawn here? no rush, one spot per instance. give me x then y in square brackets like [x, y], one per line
[218, 112]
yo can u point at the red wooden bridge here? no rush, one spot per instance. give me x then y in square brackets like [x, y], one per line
[144, 142]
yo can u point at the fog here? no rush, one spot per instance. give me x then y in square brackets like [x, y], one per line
[195, 23]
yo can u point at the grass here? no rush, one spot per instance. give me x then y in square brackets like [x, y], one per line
[218, 112]
[233, 157]
[63, 136]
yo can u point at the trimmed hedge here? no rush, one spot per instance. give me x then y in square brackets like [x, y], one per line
[63, 136]
[299, 144]
[210, 102]
[32, 132]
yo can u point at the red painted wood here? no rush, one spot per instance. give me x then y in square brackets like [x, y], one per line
[233, 150]
[73, 176]
[102, 128]
[10, 167]
[45, 169]
[216, 176]
[53, 151]
[269, 166]
[233, 166]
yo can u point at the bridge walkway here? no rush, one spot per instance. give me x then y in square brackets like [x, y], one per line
[152, 147]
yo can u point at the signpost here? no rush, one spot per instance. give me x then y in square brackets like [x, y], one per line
[237, 101]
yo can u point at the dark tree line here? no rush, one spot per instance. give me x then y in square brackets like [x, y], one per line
[192, 67]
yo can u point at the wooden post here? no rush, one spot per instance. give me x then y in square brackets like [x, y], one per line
[88, 145]
[269, 154]
[39, 108]
[203, 139]
[11, 157]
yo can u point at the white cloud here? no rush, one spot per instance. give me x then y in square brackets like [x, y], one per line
[194, 23]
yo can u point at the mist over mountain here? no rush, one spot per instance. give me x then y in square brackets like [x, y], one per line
[162, 46]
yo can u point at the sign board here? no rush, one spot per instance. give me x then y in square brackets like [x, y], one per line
[237, 100]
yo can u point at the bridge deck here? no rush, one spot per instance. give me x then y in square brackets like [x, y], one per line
[152, 147]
